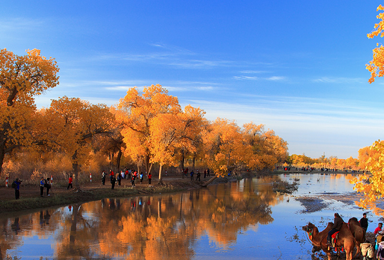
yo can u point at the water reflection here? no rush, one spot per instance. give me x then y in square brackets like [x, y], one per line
[159, 227]
[230, 220]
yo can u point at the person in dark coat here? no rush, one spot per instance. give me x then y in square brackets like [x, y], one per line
[103, 176]
[337, 224]
[133, 180]
[42, 183]
[197, 175]
[364, 222]
[113, 180]
[48, 186]
[17, 188]
[119, 178]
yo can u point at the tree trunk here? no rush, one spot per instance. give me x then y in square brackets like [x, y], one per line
[193, 161]
[111, 156]
[75, 168]
[2, 155]
[118, 160]
[146, 162]
[182, 163]
[209, 181]
[160, 177]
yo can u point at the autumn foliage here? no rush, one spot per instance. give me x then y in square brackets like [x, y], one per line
[147, 129]
[376, 65]
[21, 78]
[372, 158]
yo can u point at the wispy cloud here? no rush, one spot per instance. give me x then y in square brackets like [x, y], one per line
[165, 58]
[245, 78]
[19, 24]
[254, 71]
[119, 88]
[275, 78]
[340, 80]
[173, 87]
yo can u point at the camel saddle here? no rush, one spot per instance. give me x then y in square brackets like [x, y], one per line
[335, 237]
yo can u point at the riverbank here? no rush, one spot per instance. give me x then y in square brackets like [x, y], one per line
[60, 196]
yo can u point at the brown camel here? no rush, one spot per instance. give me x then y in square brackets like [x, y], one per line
[357, 231]
[319, 239]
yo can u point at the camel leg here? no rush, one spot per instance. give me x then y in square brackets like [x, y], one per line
[348, 254]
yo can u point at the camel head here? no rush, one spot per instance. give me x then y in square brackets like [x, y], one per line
[308, 228]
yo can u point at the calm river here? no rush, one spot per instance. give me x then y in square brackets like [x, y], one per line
[238, 220]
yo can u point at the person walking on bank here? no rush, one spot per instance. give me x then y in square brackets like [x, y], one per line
[149, 178]
[113, 180]
[119, 178]
[69, 182]
[337, 224]
[133, 180]
[141, 177]
[103, 176]
[42, 182]
[48, 185]
[364, 222]
[197, 175]
[17, 188]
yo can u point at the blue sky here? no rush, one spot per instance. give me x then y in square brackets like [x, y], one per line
[298, 67]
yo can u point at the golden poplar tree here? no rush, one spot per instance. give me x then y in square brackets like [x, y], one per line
[268, 149]
[69, 125]
[225, 149]
[21, 78]
[139, 110]
[372, 189]
[172, 131]
[371, 185]
[376, 65]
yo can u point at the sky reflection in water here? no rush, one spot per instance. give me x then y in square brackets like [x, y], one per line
[242, 220]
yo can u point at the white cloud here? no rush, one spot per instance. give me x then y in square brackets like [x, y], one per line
[339, 80]
[119, 88]
[245, 78]
[254, 71]
[19, 24]
[275, 78]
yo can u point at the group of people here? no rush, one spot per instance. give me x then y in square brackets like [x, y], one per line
[206, 174]
[367, 248]
[45, 183]
[131, 175]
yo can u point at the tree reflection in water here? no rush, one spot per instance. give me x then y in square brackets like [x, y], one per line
[158, 227]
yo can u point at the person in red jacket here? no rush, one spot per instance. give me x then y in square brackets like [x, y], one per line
[379, 227]
[149, 178]
[69, 182]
